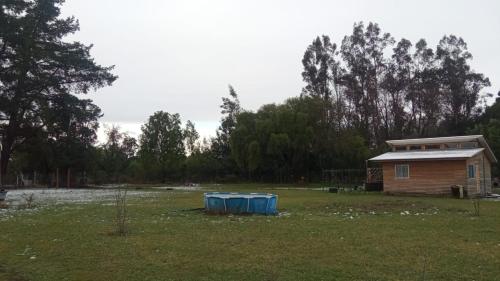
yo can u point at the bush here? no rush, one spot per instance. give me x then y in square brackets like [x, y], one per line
[475, 206]
[29, 200]
[121, 218]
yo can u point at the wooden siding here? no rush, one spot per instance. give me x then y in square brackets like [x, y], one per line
[487, 174]
[482, 183]
[426, 177]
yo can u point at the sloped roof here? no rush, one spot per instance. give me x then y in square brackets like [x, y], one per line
[454, 139]
[436, 140]
[451, 154]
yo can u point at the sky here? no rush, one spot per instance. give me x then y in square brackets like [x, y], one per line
[180, 56]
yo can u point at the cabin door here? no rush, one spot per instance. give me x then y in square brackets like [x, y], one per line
[473, 177]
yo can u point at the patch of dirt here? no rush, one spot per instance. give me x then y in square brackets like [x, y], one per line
[184, 188]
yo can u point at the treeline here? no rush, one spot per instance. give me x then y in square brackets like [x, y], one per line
[358, 92]
[386, 89]
[167, 151]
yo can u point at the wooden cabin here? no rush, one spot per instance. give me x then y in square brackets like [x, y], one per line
[434, 165]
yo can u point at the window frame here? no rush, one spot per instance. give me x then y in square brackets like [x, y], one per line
[396, 171]
[432, 146]
[451, 145]
[469, 170]
[469, 145]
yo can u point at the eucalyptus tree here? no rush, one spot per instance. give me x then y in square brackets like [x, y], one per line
[395, 85]
[230, 109]
[363, 54]
[318, 60]
[322, 74]
[460, 84]
[424, 96]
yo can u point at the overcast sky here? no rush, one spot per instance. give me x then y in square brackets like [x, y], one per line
[179, 56]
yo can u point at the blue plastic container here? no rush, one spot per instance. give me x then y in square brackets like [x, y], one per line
[241, 203]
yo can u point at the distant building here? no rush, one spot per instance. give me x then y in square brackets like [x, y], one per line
[434, 165]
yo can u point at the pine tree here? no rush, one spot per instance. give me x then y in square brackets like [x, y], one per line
[38, 66]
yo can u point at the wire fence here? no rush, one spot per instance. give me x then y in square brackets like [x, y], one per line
[370, 179]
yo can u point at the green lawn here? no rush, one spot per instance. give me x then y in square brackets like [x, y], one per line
[318, 236]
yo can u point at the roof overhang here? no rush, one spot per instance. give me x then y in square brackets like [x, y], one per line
[435, 140]
[422, 155]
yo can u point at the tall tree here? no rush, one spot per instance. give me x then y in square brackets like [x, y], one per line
[460, 84]
[162, 145]
[363, 53]
[318, 62]
[64, 141]
[424, 96]
[37, 66]
[395, 83]
[322, 75]
[221, 143]
[190, 136]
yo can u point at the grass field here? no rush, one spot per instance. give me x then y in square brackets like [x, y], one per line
[318, 236]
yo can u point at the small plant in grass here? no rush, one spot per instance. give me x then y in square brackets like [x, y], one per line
[475, 206]
[29, 200]
[121, 218]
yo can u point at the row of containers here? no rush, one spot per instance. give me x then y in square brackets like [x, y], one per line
[241, 203]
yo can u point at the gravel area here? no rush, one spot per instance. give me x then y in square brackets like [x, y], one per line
[62, 196]
[16, 200]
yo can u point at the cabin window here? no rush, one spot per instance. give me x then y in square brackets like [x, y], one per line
[402, 171]
[470, 144]
[471, 171]
[450, 145]
[415, 147]
[432, 146]
[399, 148]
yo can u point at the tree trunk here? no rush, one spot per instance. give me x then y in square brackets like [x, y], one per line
[5, 157]
[10, 135]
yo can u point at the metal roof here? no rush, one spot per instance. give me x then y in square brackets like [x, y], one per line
[428, 154]
[479, 138]
[436, 140]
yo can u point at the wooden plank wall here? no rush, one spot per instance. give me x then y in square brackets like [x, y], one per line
[487, 174]
[483, 176]
[426, 177]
